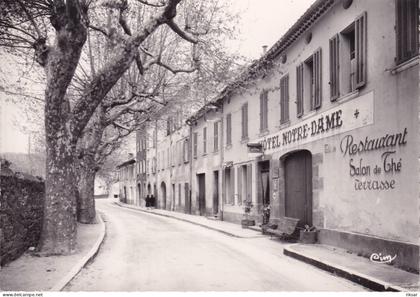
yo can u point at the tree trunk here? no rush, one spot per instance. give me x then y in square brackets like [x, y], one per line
[86, 212]
[86, 168]
[59, 225]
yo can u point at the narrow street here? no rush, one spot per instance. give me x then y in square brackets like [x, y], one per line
[144, 252]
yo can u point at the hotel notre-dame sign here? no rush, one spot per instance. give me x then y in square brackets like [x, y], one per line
[348, 116]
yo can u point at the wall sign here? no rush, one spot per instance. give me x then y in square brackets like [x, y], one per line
[348, 116]
[379, 176]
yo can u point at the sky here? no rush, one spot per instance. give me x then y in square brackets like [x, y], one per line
[262, 22]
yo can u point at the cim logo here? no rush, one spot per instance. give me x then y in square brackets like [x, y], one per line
[379, 258]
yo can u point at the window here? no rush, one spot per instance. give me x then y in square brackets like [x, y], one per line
[229, 129]
[195, 141]
[179, 152]
[263, 111]
[204, 140]
[334, 68]
[168, 126]
[185, 150]
[244, 111]
[167, 157]
[284, 99]
[351, 59]
[216, 136]
[407, 21]
[154, 138]
[313, 80]
[154, 165]
[299, 90]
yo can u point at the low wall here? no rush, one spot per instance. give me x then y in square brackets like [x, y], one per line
[21, 213]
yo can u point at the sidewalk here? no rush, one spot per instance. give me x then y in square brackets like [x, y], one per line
[375, 276]
[31, 273]
[227, 228]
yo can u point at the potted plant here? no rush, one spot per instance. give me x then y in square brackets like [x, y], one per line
[247, 221]
[266, 214]
[308, 234]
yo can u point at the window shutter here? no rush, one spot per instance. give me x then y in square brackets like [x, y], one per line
[229, 129]
[284, 99]
[245, 121]
[232, 185]
[281, 100]
[262, 111]
[249, 182]
[317, 75]
[239, 178]
[195, 140]
[334, 68]
[406, 29]
[242, 121]
[265, 110]
[360, 49]
[299, 90]
[204, 140]
[216, 136]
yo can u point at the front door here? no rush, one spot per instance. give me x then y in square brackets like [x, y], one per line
[187, 198]
[298, 181]
[201, 194]
[216, 193]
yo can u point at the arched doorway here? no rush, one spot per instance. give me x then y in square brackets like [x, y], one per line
[163, 194]
[298, 187]
[155, 195]
[149, 189]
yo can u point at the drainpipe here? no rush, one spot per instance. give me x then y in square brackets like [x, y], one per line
[190, 157]
[222, 150]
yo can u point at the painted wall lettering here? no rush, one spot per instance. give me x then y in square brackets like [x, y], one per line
[337, 120]
[351, 147]
[379, 176]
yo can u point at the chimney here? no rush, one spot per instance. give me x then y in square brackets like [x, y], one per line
[264, 49]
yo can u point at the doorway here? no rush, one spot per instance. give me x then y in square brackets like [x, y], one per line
[201, 179]
[216, 192]
[172, 206]
[298, 187]
[187, 198]
[155, 196]
[264, 183]
[163, 193]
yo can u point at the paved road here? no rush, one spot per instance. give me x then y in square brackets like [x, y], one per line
[145, 252]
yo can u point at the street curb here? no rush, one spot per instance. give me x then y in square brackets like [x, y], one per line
[354, 276]
[82, 263]
[180, 219]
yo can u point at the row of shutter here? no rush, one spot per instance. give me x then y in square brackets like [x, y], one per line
[360, 75]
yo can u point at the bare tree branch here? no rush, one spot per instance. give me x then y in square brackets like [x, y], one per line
[180, 32]
[161, 4]
[101, 30]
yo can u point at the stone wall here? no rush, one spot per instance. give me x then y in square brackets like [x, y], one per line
[21, 213]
